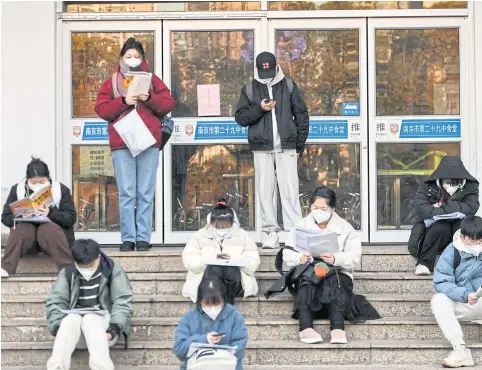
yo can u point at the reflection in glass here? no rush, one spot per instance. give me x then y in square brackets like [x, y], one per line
[418, 72]
[94, 189]
[401, 168]
[210, 57]
[363, 5]
[336, 166]
[201, 174]
[164, 6]
[324, 64]
[94, 58]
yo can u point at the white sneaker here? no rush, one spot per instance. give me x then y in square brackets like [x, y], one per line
[459, 358]
[422, 270]
[271, 240]
[4, 273]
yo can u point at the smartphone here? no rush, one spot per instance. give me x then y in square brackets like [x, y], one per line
[218, 335]
[223, 256]
[269, 101]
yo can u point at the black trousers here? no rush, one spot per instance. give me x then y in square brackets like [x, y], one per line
[437, 237]
[228, 275]
[336, 310]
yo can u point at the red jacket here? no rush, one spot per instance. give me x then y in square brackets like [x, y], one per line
[111, 109]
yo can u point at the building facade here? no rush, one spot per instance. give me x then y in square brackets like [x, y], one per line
[391, 87]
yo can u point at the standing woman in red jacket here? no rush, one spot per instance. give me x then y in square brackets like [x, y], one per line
[135, 176]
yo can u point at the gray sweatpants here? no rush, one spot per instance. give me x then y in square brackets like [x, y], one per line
[277, 168]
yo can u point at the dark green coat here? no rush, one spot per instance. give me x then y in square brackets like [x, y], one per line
[115, 295]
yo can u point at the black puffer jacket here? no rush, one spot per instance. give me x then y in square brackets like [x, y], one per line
[464, 200]
[291, 115]
[64, 216]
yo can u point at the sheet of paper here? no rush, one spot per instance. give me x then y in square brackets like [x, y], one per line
[223, 262]
[208, 100]
[85, 311]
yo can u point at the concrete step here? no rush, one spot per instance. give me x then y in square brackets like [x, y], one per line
[262, 329]
[171, 283]
[374, 259]
[262, 367]
[153, 353]
[174, 306]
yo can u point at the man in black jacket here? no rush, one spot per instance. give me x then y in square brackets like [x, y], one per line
[450, 189]
[273, 109]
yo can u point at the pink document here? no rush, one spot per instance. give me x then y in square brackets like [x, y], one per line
[208, 100]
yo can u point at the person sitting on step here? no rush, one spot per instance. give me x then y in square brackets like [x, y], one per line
[322, 286]
[212, 321]
[450, 189]
[221, 239]
[94, 283]
[457, 278]
[54, 237]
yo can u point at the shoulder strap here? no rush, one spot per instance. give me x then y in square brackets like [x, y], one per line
[457, 258]
[289, 82]
[249, 90]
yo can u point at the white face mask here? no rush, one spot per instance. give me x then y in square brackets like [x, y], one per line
[133, 62]
[36, 187]
[451, 189]
[87, 273]
[321, 216]
[213, 312]
[222, 232]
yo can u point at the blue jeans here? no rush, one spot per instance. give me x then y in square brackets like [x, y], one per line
[136, 180]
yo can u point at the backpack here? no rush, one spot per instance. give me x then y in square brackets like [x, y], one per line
[249, 88]
[212, 358]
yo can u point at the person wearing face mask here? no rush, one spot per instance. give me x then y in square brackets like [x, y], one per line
[55, 237]
[273, 109]
[93, 283]
[213, 321]
[330, 294]
[450, 188]
[222, 238]
[457, 277]
[135, 176]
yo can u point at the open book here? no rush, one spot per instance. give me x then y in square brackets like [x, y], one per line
[138, 82]
[32, 202]
[448, 216]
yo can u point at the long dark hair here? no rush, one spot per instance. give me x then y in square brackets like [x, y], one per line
[37, 168]
[211, 291]
[222, 215]
[132, 43]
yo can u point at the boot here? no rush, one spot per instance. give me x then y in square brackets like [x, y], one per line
[231, 287]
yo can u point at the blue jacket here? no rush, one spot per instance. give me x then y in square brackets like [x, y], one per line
[467, 278]
[195, 325]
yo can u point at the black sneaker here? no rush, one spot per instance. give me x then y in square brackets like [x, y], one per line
[127, 247]
[143, 246]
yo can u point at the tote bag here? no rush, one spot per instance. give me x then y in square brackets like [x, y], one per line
[134, 132]
[212, 358]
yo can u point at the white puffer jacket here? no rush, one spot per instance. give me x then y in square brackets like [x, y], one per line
[204, 246]
[350, 251]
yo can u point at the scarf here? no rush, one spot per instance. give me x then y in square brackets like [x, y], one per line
[118, 79]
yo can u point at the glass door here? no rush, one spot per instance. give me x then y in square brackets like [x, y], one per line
[90, 52]
[327, 60]
[206, 63]
[418, 72]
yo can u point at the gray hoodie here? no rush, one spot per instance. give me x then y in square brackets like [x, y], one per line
[270, 82]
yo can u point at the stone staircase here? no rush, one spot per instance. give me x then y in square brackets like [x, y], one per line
[407, 336]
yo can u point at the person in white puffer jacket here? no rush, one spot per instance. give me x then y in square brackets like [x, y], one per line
[328, 295]
[221, 238]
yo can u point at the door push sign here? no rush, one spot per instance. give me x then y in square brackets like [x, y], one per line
[350, 109]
